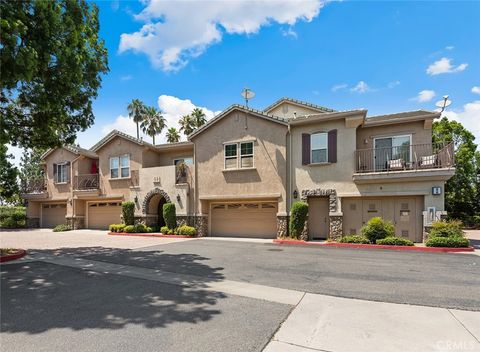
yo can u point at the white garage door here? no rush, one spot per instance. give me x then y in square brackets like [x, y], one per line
[53, 214]
[244, 220]
[102, 214]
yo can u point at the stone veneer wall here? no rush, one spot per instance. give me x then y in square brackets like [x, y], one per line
[282, 226]
[33, 222]
[336, 227]
[184, 220]
[201, 224]
[77, 222]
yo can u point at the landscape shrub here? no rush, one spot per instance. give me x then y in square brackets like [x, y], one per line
[62, 228]
[185, 230]
[354, 239]
[298, 217]
[164, 230]
[116, 227]
[453, 241]
[476, 221]
[12, 217]
[129, 229]
[169, 215]
[450, 228]
[395, 241]
[128, 212]
[377, 228]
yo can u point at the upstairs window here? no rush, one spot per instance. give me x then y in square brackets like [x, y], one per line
[231, 156]
[120, 166]
[61, 172]
[234, 150]
[319, 147]
[246, 154]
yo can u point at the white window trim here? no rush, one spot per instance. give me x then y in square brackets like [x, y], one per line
[119, 167]
[311, 149]
[238, 155]
[392, 136]
[57, 182]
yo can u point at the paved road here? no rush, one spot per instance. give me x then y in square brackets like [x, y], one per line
[432, 279]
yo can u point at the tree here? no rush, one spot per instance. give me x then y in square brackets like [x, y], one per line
[153, 123]
[461, 191]
[198, 117]
[136, 111]
[52, 59]
[172, 135]
[8, 177]
[187, 125]
[31, 166]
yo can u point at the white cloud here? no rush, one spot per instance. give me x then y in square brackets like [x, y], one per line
[476, 89]
[393, 84]
[174, 32]
[424, 96]
[444, 66]
[361, 88]
[339, 87]
[450, 47]
[126, 78]
[469, 117]
[289, 33]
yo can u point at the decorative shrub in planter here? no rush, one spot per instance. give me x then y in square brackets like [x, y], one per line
[354, 239]
[395, 241]
[451, 228]
[377, 228]
[128, 212]
[299, 213]
[185, 230]
[164, 230]
[453, 241]
[129, 229]
[62, 228]
[117, 227]
[169, 215]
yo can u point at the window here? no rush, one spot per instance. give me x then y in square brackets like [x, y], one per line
[319, 147]
[61, 173]
[187, 161]
[231, 156]
[246, 155]
[120, 166]
[388, 149]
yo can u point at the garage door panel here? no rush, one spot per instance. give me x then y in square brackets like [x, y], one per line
[102, 214]
[244, 220]
[53, 215]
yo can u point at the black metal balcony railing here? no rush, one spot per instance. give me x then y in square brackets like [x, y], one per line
[35, 186]
[86, 182]
[405, 158]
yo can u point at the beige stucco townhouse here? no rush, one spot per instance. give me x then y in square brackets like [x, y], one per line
[246, 167]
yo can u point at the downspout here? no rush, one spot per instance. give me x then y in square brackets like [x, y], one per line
[71, 182]
[289, 175]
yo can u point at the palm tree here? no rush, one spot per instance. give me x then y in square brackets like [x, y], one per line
[136, 111]
[153, 123]
[198, 117]
[186, 124]
[172, 135]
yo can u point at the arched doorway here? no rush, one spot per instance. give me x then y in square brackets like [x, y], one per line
[153, 206]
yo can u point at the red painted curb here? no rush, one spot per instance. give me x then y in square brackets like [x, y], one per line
[375, 246]
[6, 258]
[148, 235]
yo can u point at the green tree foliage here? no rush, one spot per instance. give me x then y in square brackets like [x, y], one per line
[187, 124]
[299, 213]
[462, 192]
[51, 59]
[153, 122]
[136, 111]
[8, 178]
[198, 117]
[172, 135]
[31, 168]
[128, 213]
[170, 215]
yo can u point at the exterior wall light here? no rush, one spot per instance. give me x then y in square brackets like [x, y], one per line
[295, 194]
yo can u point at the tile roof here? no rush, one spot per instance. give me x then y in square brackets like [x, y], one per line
[299, 102]
[116, 133]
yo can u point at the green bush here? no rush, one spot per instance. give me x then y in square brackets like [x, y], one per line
[128, 212]
[141, 228]
[164, 230]
[169, 215]
[185, 230]
[116, 227]
[395, 241]
[298, 216]
[354, 239]
[129, 229]
[12, 217]
[377, 228]
[454, 241]
[62, 228]
[450, 228]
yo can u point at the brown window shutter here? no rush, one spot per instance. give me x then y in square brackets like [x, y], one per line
[305, 149]
[332, 146]
[68, 171]
[54, 170]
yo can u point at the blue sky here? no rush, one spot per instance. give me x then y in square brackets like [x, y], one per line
[343, 55]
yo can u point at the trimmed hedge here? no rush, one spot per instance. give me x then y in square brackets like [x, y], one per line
[451, 228]
[129, 229]
[164, 230]
[453, 241]
[299, 213]
[12, 217]
[395, 241]
[62, 228]
[128, 212]
[377, 228]
[117, 227]
[170, 215]
[185, 230]
[354, 239]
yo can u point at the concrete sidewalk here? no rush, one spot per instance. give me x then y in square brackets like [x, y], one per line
[333, 324]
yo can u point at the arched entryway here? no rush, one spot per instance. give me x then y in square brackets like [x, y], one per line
[153, 206]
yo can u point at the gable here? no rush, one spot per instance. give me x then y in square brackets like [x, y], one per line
[288, 110]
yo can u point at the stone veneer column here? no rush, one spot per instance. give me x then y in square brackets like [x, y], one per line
[33, 222]
[76, 222]
[336, 226]
[201, 224]
[282, 226]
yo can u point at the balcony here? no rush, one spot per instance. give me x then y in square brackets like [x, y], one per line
[88, 182]
[36, 188]
[405, 162]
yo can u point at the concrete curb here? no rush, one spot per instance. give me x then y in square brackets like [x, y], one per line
[375, 246]
[19, 254]
[148, 235]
